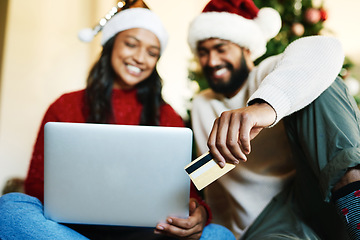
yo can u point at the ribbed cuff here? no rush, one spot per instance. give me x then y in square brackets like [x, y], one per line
[349, 188]
[275, 98]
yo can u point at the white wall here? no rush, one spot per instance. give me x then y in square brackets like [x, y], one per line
[43, 59]
[343, 22]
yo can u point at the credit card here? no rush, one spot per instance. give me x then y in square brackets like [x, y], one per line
[204, 170]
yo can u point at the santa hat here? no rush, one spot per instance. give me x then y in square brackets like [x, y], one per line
[127, 19]
[238, 21]
[135, 18]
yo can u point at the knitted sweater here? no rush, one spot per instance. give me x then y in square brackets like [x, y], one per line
[288, 82]
[70, 107]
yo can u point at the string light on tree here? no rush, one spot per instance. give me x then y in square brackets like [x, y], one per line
[298, 29]
[353, 85]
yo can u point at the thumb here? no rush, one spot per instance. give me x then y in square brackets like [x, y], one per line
[193, 204]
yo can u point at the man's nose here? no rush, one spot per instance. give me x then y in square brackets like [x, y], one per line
[214, 59]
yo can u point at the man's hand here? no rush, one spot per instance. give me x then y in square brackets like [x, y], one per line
[229, 140]
[190, 228]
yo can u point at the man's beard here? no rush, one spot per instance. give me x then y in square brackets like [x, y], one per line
[237, 78]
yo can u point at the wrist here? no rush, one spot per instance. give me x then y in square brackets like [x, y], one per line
[268, 110]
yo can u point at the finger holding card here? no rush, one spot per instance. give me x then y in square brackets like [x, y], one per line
[229, 142]
[223, 142]
[204, 170]
[232, 132]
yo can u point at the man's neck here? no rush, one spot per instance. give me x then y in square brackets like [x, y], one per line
[232, 94]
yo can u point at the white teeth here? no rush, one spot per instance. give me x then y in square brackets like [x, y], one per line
[220, 72]
[133, 68]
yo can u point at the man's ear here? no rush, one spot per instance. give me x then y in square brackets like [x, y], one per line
[246, 51]
[247, 56]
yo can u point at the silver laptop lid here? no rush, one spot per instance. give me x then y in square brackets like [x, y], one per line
[115, 174]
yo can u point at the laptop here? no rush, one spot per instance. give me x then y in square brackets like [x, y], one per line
[121, 175]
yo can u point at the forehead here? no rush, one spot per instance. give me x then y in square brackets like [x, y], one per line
[212, 43]
[141, 35]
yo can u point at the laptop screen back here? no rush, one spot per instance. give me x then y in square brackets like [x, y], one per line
[115, 174]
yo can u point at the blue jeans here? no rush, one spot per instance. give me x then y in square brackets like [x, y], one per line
[22, 217]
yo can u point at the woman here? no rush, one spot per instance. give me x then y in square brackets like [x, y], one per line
[123, 87]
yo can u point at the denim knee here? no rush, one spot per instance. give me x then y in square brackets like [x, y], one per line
[216, 232]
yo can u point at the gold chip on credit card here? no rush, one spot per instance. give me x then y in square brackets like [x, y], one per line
[204, 170]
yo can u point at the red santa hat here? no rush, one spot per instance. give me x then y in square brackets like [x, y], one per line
[238, 21]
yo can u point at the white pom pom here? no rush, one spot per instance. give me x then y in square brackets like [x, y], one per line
[269, 21]
[86, 35]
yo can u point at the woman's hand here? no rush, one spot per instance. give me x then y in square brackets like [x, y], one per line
[189, 228]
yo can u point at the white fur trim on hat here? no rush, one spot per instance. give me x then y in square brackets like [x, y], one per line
[135, 18]
[251, 34]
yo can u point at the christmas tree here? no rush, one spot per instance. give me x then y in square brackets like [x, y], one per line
[299, 18]
[303, 18]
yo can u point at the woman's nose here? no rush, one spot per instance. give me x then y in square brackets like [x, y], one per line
[139, 55]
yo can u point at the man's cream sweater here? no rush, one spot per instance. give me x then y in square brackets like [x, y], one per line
[288, 82]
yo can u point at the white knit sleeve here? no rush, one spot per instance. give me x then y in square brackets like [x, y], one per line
[307, 67]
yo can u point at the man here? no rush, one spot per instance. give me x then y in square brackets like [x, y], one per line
[279, 185]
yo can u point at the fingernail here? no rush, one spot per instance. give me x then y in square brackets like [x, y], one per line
[222, 164]
[236, 162]
[169, 220]
[160, 227]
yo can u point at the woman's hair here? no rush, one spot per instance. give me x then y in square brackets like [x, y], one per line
[99, 91]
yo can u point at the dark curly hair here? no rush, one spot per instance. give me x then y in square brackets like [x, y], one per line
[100, 85]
